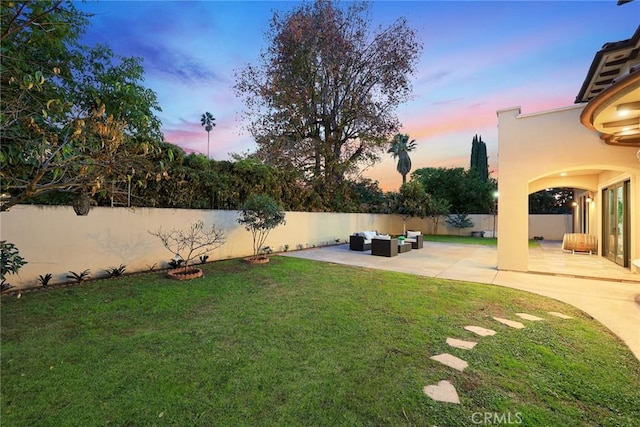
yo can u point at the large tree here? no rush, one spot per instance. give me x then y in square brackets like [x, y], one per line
[323, 97]
[400, 148]
[73, 118]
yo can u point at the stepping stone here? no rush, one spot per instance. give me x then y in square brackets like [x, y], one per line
[466, 345]
[451, 361]
[526, 316]
[483, 332]
[444, 391]
[510, 323]
[560, 315]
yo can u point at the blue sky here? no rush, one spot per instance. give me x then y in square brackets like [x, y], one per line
[478, 57]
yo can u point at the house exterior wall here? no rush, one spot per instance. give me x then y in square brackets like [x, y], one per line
[533, 150]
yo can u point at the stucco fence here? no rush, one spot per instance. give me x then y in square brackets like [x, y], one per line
[54, 240]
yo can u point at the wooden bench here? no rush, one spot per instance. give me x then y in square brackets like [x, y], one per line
[580, 242]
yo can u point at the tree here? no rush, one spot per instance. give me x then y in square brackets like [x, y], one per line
[259, 215]
[208, 121]
[551, 201]
[410, 201]
[188, 245]
[464, 190]
[479, 161]
[72, 118]
[323, 96]
[400, 147]
[438, 209]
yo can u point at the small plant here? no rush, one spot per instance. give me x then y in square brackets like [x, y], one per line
[286, 248]
[152, 267]
[116, 271]
[175, 263]
[203, 258]
[11, 262]
[266, 250]
[337, 241]
[459, 221]
[300, 246]
[80, 278]
[44, 280]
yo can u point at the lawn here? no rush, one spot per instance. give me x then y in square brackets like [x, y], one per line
[469, 240]
[297, 342]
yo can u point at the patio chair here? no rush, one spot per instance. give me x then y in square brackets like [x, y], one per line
[416, 238]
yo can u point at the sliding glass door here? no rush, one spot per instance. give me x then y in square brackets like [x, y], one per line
[616, 232]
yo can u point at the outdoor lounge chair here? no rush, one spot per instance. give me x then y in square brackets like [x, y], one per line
[416, 238]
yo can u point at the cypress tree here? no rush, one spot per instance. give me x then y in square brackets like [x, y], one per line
[479, 162]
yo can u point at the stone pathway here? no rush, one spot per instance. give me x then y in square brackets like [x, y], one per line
[445, 391]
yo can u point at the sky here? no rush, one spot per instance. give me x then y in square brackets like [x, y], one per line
[478, 57]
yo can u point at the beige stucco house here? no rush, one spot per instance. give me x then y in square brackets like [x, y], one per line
[592, 146]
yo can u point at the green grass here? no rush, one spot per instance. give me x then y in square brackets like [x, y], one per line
[468, 240]
[297, 342]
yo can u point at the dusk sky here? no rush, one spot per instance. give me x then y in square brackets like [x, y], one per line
[478, 57]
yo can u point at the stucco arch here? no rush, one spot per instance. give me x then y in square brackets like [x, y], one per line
[552, 149]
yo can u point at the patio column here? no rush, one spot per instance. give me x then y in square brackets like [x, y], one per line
[513, 187]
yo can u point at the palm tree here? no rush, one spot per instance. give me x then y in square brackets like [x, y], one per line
[400, 147]
[208, 121]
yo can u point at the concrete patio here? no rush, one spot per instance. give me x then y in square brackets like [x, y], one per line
[591, 283]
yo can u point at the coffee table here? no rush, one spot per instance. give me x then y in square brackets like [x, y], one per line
[404, 247]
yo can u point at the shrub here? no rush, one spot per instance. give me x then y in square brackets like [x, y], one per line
[260, 214]
[10, 260]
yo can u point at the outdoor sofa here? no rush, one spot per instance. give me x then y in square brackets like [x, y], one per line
[361, 241]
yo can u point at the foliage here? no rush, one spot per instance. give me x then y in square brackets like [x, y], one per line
[175, 263]
[459, 221]
[464, 190]
[322, 98]
[369, 196]
[438, 209]
[551, 201]
[116, 271]
[259, 215]
[190, 244]
[400, 148]
[72, 117]
[283, 345]
[79, 277]
[11, 261]
[410, 201]
[479, 160]
[203, 259]
[44, 280]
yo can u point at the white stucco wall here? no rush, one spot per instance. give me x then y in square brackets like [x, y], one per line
[534, 149]
[54, 240]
